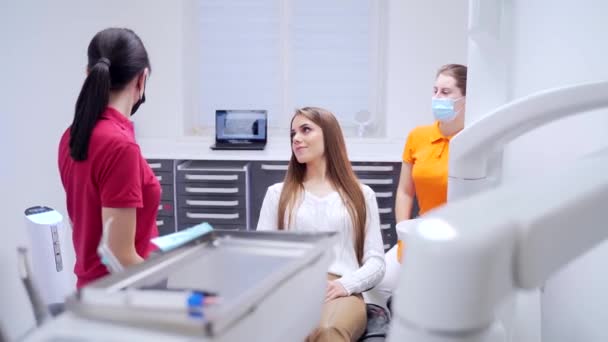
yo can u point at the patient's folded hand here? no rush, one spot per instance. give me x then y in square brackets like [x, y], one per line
[334, 290]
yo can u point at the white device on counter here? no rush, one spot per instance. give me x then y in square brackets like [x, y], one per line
[47, 236]
[464, 259]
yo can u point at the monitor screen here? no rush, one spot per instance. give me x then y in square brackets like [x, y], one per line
[240, 125]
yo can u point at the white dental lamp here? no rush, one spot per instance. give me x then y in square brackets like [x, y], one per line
[465, 258]
[475, 152]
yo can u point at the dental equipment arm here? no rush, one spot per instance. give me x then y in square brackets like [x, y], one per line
[476, 149]
[465, 258]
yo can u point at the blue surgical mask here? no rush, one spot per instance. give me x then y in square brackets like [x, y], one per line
[443, 109]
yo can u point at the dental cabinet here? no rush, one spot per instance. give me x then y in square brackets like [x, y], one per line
[229, 193]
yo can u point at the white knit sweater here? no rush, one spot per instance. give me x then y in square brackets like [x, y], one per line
[328, 213]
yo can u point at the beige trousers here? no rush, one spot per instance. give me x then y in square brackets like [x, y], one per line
[342, 319]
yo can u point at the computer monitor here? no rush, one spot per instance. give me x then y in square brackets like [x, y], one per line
[241, 126]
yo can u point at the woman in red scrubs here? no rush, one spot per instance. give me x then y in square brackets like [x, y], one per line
[105, 177]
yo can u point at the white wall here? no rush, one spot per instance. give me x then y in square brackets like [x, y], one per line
[490, 55]
[559, 43]
[550, 44]
[422, 36]
[548, 53]
[42, 66]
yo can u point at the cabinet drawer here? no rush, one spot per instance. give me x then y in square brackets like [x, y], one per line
[376, 168]
[161, 165]
[164, 177]
[385, 194]
[264, 174]
[386, 226]
[183, 226]
[165, 209]
[280, 167]
[382, 177]
[271, 172]
[196, 171]
[389, 236]
[386, 203]
[166, 192]
[232, 191]
[166, 225]
[378, 181]
[387, 219]
[386, 216]
[213, 216]
[235, 178]
[385, 211]
[210, 202]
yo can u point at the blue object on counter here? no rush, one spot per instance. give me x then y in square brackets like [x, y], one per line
[195, 304]
[196, 299]
[171, 241]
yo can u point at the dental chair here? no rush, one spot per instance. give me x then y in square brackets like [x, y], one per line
[379, 312]
[378, 321]
[379, 316]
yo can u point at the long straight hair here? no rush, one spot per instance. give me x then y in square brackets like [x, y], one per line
[339, 172]
[115, 57]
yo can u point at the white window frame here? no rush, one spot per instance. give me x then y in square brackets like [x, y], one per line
[378, 36]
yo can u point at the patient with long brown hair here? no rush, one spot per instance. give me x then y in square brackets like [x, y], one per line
[321, 193]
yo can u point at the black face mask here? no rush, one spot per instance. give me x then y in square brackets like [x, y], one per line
[139, 102]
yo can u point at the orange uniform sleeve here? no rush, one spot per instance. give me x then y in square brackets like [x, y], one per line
[408, 150]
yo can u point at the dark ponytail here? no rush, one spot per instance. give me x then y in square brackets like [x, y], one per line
[115, 57]
[92, 101]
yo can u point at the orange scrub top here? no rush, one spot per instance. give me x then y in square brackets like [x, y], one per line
[427, 151]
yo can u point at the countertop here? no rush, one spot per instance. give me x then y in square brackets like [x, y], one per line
[198, 148]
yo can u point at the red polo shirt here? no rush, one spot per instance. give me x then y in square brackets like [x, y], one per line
[114, 175]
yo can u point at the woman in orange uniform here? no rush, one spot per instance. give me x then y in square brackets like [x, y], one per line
[424, 172]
